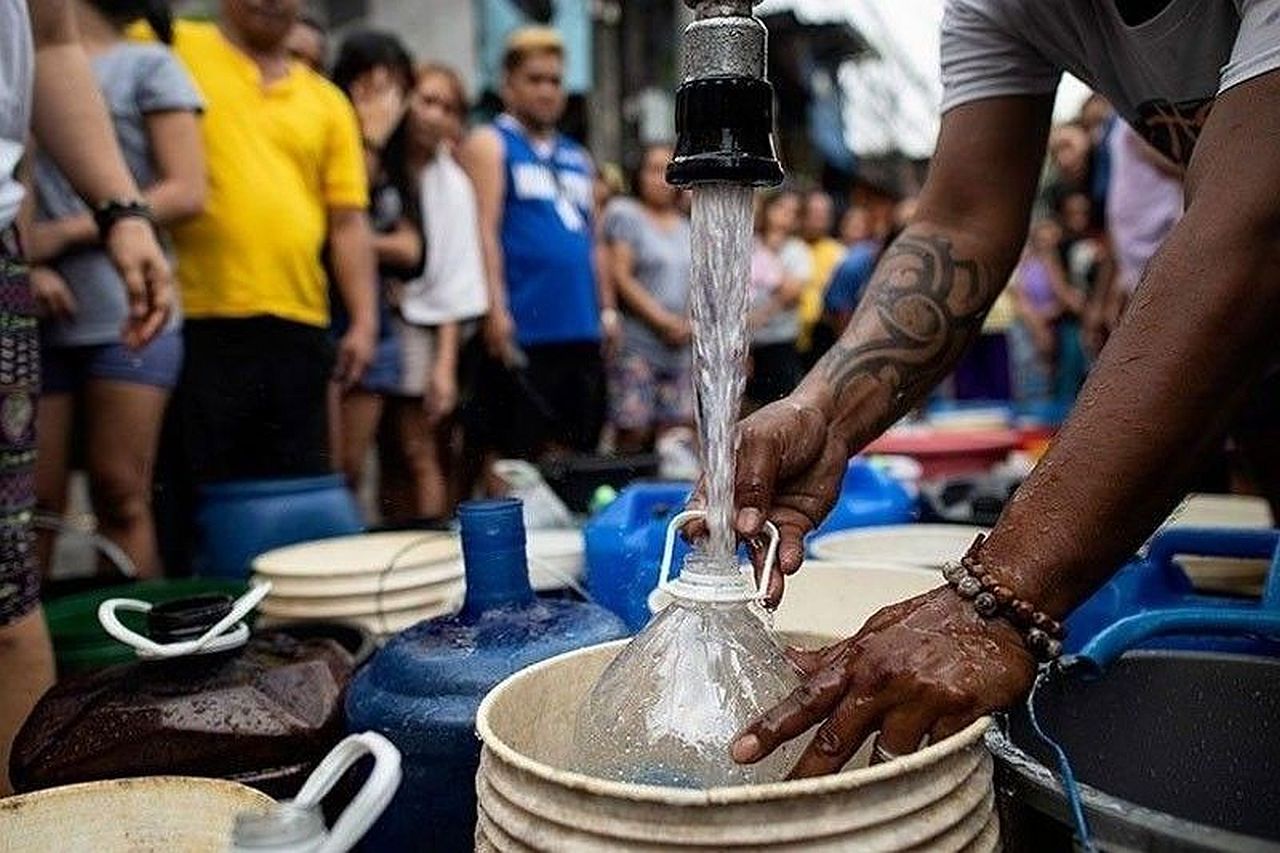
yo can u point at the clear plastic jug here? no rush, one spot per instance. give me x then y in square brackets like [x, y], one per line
[667, 708]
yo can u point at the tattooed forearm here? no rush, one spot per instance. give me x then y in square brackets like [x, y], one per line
[921, 308]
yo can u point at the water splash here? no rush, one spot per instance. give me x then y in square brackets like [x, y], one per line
[721, 241]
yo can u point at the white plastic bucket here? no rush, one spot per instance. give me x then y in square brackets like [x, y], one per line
[940, 798]
[165, 814]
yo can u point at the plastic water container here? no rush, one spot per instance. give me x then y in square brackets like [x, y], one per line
[1155, 583]
[868, 497]
[80, 643]
[423, 688]
[624, 548]
[262, 710]
[624, 542]
[240, 520]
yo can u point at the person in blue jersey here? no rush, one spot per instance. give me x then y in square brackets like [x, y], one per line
[543, 387]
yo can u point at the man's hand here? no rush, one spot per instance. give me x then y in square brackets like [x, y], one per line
[923, 668]
[52, 294]
[790, 465]
[500, 335]
[355, 353]
[132, 246]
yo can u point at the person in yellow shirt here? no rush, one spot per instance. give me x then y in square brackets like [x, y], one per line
[286, 179]
[826, 252]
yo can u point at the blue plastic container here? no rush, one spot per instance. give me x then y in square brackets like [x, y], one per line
[1155, 584]
[624, 547]
[624, 542]
[423, 688]
[868, 497]
[242, 519]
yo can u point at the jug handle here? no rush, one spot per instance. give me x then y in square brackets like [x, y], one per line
[1124, 634]
[374, 796]
[668, 552]
[1210, 542]
[217, 639]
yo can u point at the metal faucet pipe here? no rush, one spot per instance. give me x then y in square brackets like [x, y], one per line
[724, 105]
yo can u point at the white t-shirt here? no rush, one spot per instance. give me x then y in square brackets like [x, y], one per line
[1162, 74]
[452, 284]
[17, 72]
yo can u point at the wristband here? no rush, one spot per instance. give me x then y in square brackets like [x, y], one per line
[973, 582]
[111, 211]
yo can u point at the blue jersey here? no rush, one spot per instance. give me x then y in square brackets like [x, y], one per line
[547, 239]
[851, 277]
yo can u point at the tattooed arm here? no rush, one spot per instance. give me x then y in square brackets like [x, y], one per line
[1199, 334]
[924, 303]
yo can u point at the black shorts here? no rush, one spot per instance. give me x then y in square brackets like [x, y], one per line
[556, 401]
[775, 373]
[253, 398]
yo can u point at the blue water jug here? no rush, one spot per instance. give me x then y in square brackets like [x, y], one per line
[423, 688]
[624, 547]
[1154, 584]
[868, 496]
[241, 519]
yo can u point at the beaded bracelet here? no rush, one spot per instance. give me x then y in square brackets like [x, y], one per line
[992, 600]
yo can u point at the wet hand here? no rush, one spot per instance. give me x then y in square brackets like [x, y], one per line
[53, 295]
[790, 464]
[148, 281]
[921, 669]
[355, 353]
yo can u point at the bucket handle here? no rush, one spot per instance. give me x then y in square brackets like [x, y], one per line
[1124, 634]
[757, 593]
[227, 633]
[374, 796]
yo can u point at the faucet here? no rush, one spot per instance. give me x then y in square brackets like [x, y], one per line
[724, 104]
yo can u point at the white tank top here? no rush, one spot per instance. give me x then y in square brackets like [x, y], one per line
[17, 66]
[452, 286]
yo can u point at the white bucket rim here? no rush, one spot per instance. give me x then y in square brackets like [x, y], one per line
[229, 786]
[827, 547]
[844, 780]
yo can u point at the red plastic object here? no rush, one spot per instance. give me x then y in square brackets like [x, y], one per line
[946, 452]
[1034, 440]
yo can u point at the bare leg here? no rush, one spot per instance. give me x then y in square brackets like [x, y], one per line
[26, 659]
[419, 454]
[123, 426]
[53, 438]
[361, 412]
[334, 405]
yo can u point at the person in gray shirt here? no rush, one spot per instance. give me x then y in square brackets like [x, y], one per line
[650, 381]
[121, 391]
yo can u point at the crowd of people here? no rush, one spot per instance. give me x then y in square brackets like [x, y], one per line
[358, 269]
[1108, 199]
[364, 276]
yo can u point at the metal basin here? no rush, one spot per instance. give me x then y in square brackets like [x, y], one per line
[1174, 750]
